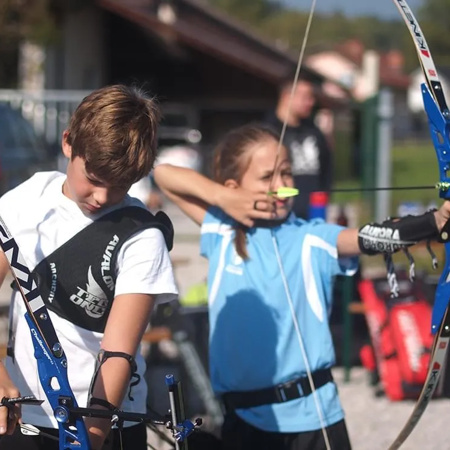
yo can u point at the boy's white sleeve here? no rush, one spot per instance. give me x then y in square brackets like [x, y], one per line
[144, 267]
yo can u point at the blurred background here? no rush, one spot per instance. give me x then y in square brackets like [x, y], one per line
[216, 64]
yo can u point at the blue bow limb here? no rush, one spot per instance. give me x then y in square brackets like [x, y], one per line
[439, 125]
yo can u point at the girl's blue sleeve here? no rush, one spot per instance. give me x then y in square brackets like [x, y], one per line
[330, 232]
[212, 228]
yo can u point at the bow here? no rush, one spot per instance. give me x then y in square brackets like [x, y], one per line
[52, 368]
[439, 124]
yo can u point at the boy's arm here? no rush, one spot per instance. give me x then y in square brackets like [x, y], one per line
[126, 324]
[4, 267]
[193, 193]
[8, 419]
[8, 416]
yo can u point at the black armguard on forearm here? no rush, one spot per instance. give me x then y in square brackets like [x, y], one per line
[394, 234]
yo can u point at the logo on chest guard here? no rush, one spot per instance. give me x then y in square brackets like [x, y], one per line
[53, 285]
[106, 262]
[92, 299]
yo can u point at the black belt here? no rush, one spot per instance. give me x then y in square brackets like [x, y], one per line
[300, 387]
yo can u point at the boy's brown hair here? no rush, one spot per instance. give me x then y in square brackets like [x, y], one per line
[114, 131]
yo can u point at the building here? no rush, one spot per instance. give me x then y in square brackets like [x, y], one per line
[209, 72]
[364, 72]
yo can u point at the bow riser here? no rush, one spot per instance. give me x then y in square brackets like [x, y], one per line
[439, 126]
[51, 371]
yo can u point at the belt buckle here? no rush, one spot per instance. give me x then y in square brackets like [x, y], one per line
[289, 391]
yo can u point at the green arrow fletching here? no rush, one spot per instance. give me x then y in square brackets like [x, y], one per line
[284, 192]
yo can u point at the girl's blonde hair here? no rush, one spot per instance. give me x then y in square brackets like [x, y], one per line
[232, 157]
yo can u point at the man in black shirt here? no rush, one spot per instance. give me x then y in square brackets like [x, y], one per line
[310, 153]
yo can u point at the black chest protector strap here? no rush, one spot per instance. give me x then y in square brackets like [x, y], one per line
[77, 281]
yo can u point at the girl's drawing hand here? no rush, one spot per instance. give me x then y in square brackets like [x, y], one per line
[245, 206]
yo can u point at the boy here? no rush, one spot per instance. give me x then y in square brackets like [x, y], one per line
[100, 260]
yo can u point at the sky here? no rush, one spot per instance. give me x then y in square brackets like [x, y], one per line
[353, 8]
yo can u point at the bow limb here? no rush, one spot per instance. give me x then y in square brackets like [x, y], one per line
[438, 120]
[51, 360]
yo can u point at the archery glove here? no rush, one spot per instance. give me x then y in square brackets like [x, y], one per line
[397, 233]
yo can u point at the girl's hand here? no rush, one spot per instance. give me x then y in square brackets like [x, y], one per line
[442, 215]
[245, 206]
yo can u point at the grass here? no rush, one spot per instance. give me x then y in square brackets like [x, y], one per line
[414, 165]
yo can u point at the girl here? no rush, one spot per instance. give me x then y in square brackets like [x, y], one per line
[270, 284]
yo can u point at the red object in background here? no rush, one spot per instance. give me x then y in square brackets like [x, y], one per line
[318, 202]
[400, 336]
[342, 218]
[367, 356]
[318, 199]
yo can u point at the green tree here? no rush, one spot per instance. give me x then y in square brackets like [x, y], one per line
[21, 20]
[435, 23]
[286, 27]
[249, 11]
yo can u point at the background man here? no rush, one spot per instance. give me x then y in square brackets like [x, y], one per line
[310, 153]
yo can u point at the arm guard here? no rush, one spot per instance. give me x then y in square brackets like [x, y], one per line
[394, 234]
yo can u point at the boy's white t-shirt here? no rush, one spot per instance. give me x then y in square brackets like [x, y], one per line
[41, 219]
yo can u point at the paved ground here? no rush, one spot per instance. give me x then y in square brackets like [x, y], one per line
[373, 422]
